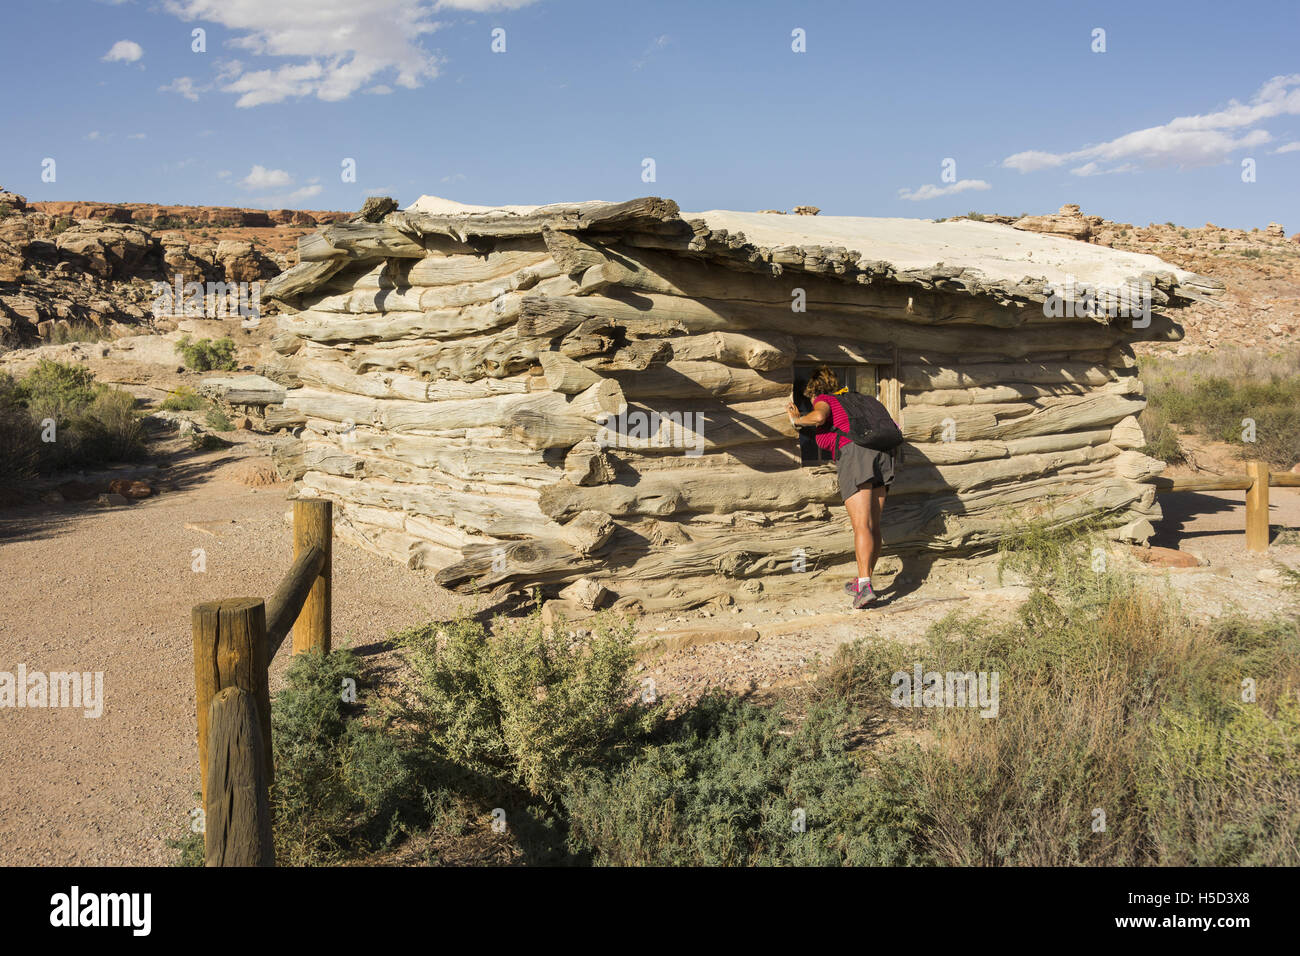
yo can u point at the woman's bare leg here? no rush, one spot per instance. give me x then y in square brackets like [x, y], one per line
[859, 507]
[876, 505]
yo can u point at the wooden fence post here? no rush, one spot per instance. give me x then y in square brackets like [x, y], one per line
[237, 808]
[230, 651]
[313, 526]
[1257, 506]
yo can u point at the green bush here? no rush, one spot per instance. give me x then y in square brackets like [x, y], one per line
[218, 421]
[737, 784]
[1225, 790]
[183, 399]
[343, 783]
[206, 355]
[20, 439]
[58, 390]
[526, 703]
[80, 332]
[93, 423]
[1213, 394]
[207, 441]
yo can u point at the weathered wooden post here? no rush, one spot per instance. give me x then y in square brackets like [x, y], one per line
[237, 808]
[313, 526]
[1257, 506]
[230, 651]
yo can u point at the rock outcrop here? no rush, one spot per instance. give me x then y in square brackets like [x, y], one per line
[75, 269]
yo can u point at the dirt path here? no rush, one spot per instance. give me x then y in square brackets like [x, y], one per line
[110, 589]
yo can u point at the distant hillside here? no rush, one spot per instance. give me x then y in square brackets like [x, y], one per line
[1260, 269]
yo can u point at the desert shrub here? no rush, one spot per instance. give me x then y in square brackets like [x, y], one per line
[20, 439]
[526, 702]
[93, 423]
[343, 782]
[183, 399]
[218, 420]
[206, 355]
[206, 441]
[188, 846]
[114, 426]
[58, 390]
[1213, 394]
[80, 332]
[1109, 696]
[975, 216]
[1225, 790]
[1252, 253]
[737, 784]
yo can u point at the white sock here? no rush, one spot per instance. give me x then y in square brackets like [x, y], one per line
[862, 581]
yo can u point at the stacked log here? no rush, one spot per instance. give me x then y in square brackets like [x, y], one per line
[599, 390]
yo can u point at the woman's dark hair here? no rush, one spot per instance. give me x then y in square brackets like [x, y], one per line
[823, 382]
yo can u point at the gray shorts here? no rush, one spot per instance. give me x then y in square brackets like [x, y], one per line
[859, 467]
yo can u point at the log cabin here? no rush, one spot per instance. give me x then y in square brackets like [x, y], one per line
[524, 396]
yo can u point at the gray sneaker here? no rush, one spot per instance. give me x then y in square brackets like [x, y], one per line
[861, 596]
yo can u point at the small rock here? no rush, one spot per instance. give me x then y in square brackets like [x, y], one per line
[112, 499]
[1167, 558]
[130, 489]
[586, 592]
[1136, 532]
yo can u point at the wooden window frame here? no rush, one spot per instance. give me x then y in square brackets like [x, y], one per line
[888, 388]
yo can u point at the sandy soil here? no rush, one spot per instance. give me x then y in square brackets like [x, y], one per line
[110, 589]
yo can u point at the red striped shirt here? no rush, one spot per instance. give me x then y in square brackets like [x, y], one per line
[826, 439]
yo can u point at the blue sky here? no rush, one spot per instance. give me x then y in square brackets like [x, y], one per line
[1153, 129]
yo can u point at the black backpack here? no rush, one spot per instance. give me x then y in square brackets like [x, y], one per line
[869, 422]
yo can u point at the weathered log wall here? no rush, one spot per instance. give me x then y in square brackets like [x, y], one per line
[478, 393]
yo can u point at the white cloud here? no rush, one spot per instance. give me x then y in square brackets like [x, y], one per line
[137, 136]
[93, 134]
[1288, 148]
[331, 48]
[183, 85]
[259, 177]
[337, 46]
[934, 192]
[223, 174]
[290, 199]
[1201, 140]
[124, 51]
[1093, 169]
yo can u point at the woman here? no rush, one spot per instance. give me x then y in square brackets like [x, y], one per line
[864, 475]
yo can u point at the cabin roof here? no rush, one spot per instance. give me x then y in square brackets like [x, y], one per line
[961, 256]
